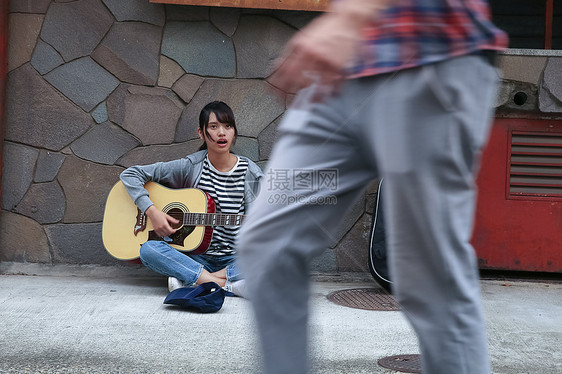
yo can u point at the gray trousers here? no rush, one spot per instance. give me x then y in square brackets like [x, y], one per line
[422, 130]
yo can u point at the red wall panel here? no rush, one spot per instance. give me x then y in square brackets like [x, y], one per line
[511, 232]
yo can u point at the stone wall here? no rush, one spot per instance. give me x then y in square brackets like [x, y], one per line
[531, 84]
[98, 85]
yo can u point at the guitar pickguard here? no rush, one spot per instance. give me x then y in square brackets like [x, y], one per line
[176, 238]
[140, 224]
[176, 210]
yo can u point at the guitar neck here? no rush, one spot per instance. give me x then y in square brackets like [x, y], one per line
[212, 219]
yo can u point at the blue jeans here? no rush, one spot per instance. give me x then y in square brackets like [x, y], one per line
[160, 257]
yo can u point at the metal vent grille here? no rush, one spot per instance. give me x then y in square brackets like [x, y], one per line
[535, 164]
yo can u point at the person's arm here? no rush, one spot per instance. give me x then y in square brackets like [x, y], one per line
[322, 51]
[171, 174]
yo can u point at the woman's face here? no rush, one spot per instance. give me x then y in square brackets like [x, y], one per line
[221, 135]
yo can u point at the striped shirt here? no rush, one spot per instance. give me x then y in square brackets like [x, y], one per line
[411, 33]
[227, 190]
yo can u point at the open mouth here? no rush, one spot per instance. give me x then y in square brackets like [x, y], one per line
[221, 141]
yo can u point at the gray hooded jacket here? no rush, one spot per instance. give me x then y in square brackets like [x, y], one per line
[182, 173]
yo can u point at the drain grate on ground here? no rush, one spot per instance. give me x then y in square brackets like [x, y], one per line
[402, 363]
[365, 298]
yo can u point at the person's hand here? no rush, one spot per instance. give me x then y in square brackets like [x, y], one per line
[161, 222]
[319, 53]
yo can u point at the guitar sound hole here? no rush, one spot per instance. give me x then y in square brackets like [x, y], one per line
[177, 214]
[182, 232]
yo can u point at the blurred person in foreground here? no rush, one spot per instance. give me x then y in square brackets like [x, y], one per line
[398, 89]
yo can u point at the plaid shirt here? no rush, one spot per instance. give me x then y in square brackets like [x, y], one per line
[416, 32]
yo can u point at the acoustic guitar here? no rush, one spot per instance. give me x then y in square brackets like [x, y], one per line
[125, 228]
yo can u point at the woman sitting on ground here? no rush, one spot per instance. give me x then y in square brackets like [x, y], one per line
[232, 181]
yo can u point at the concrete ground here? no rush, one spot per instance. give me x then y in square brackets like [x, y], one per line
[95, 320]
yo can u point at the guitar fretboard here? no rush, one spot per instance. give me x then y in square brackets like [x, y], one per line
[212, 219]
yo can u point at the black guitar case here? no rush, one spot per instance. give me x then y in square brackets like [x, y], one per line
[377, 245]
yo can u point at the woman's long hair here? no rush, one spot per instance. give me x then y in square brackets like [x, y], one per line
[224, 115]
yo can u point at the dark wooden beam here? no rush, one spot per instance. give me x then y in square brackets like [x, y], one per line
[308, 5]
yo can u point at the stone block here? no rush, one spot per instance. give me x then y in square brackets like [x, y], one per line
[45, 58]
[139, 109]
[352, 253]
[116, 104]
[100, 113]
[48, 165]
[187, 86]
[370, 201]
[517, 95]
[187, 13]
[259, 40]
[297, 19]
[83, 81]
[371, 193]
[86, 186]
[151, 118]
[225, 19]
[262, 12]
[246, 147]
[134, 10]
[254, 103]
[522, 68]
[548, 103]
[170, 72]
[505, 89]
[326, 263]
[29, 6]
[38, 115]
[104, 144]
[131, 52]
[44, 202]
[156, 91]
[22, 239]
[352, 215]
[17, 173]
[373, 186]
[199, 48]
[289, 100]
[24, 30]
[78, 244]
[552, 80]
[156, 153]
[74, 29]
[267, 139]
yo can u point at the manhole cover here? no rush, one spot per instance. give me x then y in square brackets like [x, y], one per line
[365, 298]
[402, 363]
